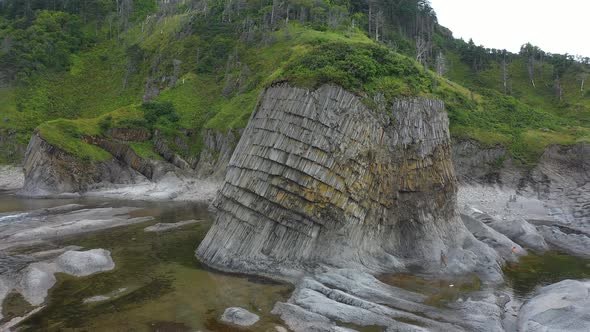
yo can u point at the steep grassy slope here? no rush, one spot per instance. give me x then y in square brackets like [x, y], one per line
[211, 69]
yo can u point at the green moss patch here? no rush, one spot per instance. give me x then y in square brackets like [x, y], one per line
[145, 150]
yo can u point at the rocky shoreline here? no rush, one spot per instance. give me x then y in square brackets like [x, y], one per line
[324, 193]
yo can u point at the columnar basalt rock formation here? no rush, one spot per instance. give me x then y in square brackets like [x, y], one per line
[319, 178]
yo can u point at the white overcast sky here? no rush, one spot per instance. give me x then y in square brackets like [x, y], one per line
[561, 26]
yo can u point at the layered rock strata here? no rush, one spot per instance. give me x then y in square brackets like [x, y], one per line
[319, 178]
[50, 170]
[545, 206]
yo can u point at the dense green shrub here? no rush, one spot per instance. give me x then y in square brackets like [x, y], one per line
[369, 68]
[160, 113]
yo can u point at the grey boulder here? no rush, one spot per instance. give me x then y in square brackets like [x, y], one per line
[564, 306]
[83, 263]
[239, 316]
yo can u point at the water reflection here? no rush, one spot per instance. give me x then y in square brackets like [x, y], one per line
[535, 271]
[164, 287]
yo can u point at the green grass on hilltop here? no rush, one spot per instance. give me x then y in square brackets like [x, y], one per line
[68, 135]
[528, 118]
[213, 78]
[145, 150]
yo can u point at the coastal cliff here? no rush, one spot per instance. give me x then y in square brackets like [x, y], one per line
[50, 170]
[319, 178]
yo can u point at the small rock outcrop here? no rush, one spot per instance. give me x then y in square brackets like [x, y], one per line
[11, 178]
[319, 178]
[50, 170]
[505, 248]
[162, 227]
[84, 263]
[218, 148]
[564, 306]
[239, 316]
[321, 302]
[34, 281]
[516, 229]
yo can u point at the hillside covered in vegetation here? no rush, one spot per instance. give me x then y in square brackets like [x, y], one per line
[70, 69]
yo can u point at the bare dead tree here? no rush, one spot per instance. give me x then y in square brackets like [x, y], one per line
[379, 23]
[441, 64]
[421, 49]
[558, 88]
[531, 69]
[505, 73]
[582, 78]
[424, 32]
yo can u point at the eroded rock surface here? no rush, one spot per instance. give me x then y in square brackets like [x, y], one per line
[83, 263]
[35, 280]
[49, 170]
[505, 247]
[11, 177]
[162, 227]
[326, 300]
[564, 306]
[239, 316]
[317, 177]
[540, 207]
[41, 225]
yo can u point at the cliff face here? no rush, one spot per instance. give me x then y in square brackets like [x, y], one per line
[49, 170]
[217, 151]
[560, 178]
[317, 177]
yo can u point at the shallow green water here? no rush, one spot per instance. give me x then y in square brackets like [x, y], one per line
[439, 292]
[158, 285]
[165, 287]
[535, 271]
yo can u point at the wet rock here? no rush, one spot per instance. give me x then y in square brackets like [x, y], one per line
[98, 298]
[161, 227]
[564, 306]
[299, 319]
[84, 263]
[5, 289]
[354, 297]
[35, 281]
[101, 298]
[507, 249]
[568, 240]
[239, 316]
[522, 232]
[8, 327]
[53, 225]
[167, 188]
